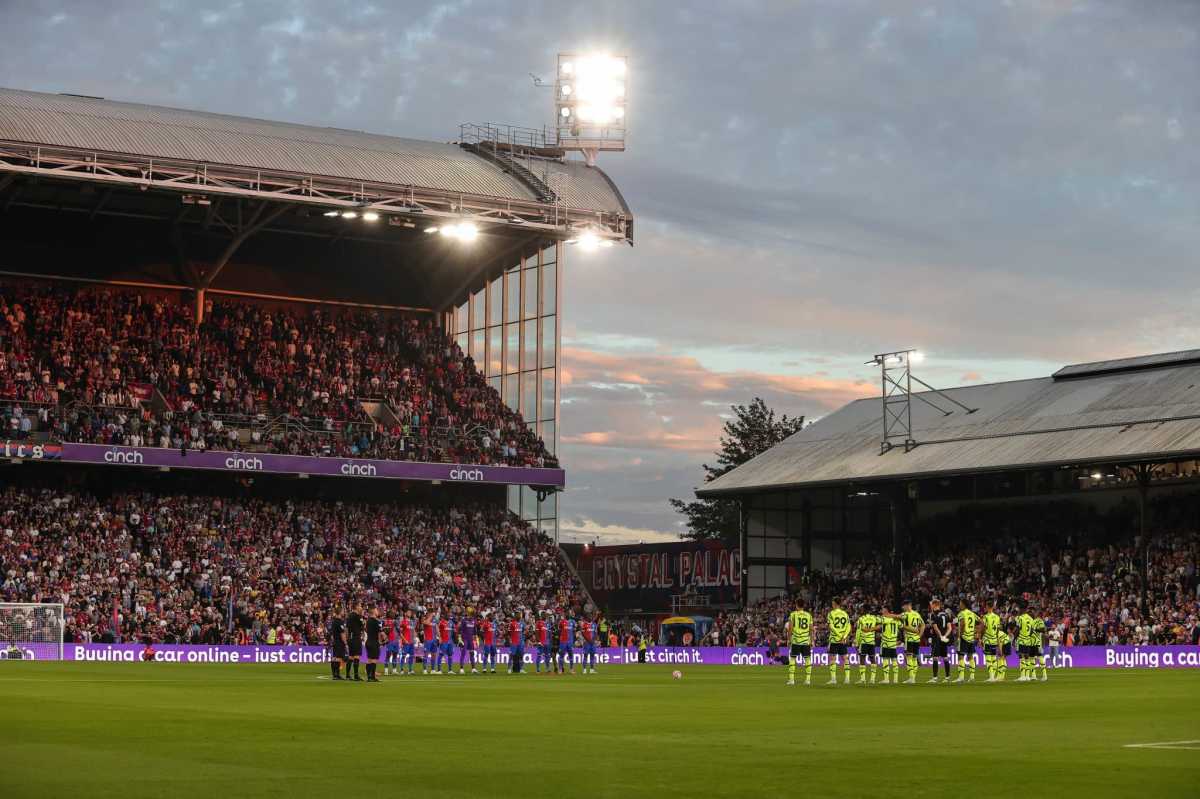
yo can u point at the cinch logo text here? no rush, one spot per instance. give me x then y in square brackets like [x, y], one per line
[466, 474]
[122, 456]
[245, 464]
[358, 469]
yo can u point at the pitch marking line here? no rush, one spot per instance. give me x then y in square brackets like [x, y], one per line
[1194, 745]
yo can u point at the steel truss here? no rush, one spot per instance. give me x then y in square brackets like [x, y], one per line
[323, 192]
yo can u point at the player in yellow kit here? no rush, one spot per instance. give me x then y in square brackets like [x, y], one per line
[1026, 648]
[1039, 635]
[889, 643]
[991, 639]
[967, 623]
[839, 637]
[1004, 649]
[914, 627]
[864, 640]
[799, 631]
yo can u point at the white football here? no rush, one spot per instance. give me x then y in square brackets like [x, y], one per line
[677, 674]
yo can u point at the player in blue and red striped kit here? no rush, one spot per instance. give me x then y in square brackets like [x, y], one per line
[541, 637]
[516, 643]
[566, 643]
[408, 648]
[590, 632]
[466, 641]
[392, 651]
[445, 639]
[429, 642]
[487, 632]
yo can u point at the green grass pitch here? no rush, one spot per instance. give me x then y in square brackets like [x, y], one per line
[143, 730]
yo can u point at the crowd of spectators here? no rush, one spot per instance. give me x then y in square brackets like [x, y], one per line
[187, 568]
[1089, 593]
[278, 378]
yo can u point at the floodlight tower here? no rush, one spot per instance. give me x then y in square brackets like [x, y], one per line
[590, 93]
[896, 379]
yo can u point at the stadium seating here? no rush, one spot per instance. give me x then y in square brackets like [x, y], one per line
[131, 368]
[184, 568]
[1090, 591]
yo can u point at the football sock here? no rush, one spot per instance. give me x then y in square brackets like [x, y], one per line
[792, 669]
[334, 667]
[912, 667]
[808, 670]
[833, 664]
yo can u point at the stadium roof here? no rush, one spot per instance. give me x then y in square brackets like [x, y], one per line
[104, 126]
[1138, 409]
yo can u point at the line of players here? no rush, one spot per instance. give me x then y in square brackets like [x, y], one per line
[436, 635]
[902, 632]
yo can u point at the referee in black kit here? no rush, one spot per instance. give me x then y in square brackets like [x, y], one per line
[939, 637]
[374, 640]
[354, 631]
[337, 645]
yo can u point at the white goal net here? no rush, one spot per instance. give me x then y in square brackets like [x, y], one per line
[31, 631]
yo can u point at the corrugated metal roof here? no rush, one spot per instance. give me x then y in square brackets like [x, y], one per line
[578, 185]
[169, 133]
[1018, 424]
[1128, 364]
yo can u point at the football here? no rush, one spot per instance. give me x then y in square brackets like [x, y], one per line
[677, 674]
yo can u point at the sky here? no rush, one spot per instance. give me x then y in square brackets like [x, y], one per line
[1008, 185]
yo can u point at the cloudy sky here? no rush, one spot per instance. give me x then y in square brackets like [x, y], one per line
[1009, 185]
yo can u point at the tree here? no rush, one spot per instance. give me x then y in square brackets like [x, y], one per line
[752, 431]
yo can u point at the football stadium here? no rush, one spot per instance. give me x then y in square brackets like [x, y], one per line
[281, 486]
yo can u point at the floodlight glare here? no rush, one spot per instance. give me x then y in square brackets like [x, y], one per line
[588, 241]
[590, 102]
[467, 231]
[916, 356]
[332, 213]
[370, 216]
[349, 214]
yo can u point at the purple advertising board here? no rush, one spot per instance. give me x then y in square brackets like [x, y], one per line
[1079, 657]
[263, 463]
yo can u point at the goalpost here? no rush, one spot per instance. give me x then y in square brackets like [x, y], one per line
[31, 631]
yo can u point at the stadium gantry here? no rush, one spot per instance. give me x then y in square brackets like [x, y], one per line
[1097, 434]
[196, 207]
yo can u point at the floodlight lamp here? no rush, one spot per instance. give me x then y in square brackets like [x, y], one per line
[349, 214]
[566, 112]
[588, 241]
[431, 229]
[370, 216]
[333, 213]
[566, 89]
[1097, 476]
[467, 231]
[916, 356]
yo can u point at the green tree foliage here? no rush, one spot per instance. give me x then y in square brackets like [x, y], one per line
[753, 430]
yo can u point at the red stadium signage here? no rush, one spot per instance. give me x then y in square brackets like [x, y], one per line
[646, 576]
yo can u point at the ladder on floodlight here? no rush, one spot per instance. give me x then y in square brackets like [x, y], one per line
[896, 380]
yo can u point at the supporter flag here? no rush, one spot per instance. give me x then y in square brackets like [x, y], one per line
[116, 622]
[142, 392]
[229, 612]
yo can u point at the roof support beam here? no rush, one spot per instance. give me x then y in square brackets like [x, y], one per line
[259, 220]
